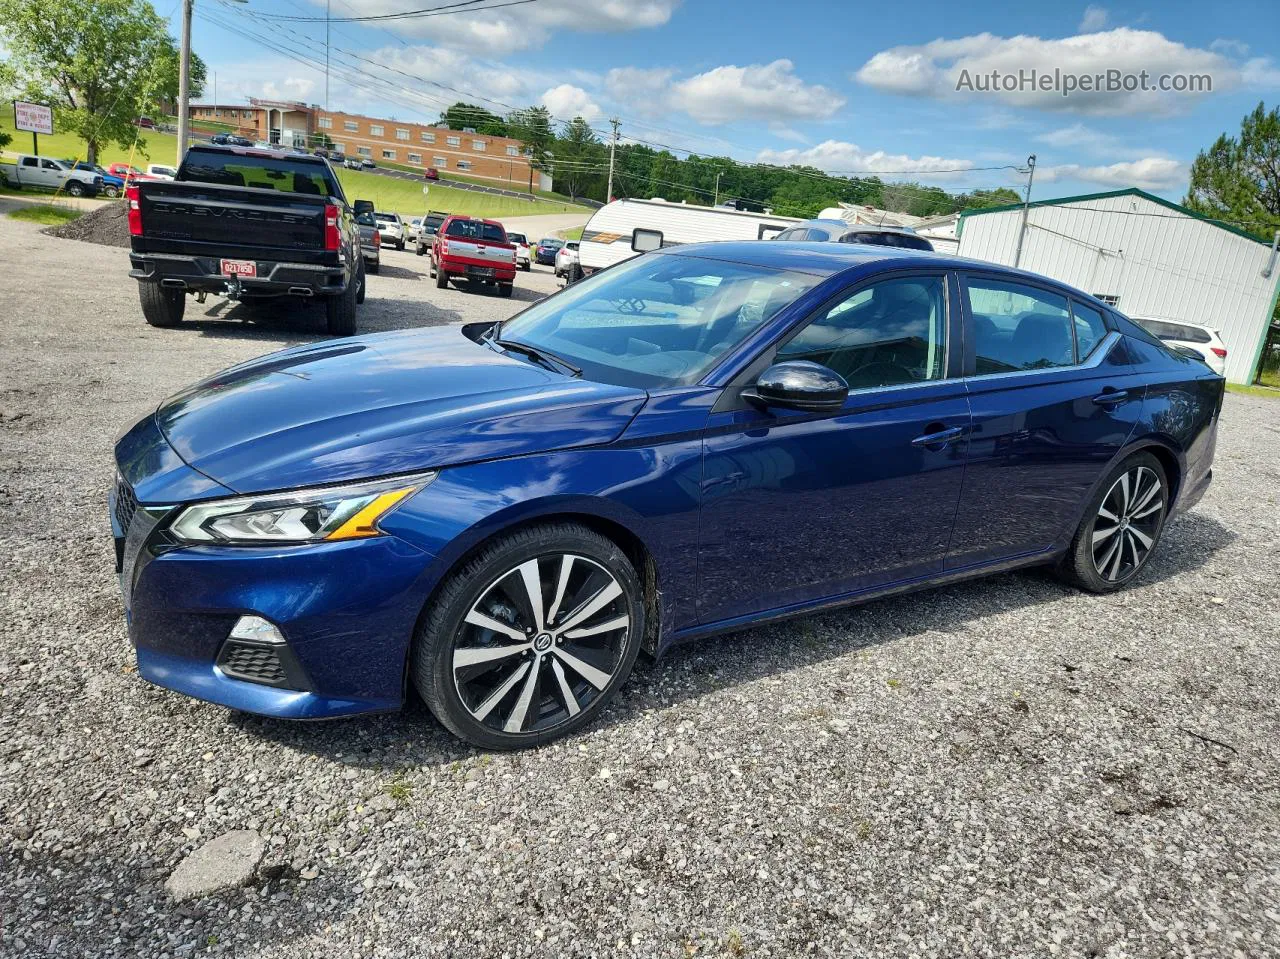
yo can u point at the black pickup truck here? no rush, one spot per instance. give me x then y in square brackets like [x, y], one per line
[246, 223]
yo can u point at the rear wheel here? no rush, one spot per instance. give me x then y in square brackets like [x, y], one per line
[111, 191]
[1120, 528]
[531, 638]
[340, 311]
[360, 292]
[504, 289]
[418, 250]
[442, 278]
[162, 306]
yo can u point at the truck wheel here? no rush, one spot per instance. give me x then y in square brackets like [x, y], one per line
[442, 278]
[360, 292]
[161, 306]
[375, 266]
[75, 188]
[111, 191]
[504, 289]
[418, 250]
[340, 311]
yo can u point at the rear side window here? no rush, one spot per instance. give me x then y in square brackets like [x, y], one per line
[288, 174]
[1017, 327]
[904, 241]
[1167, 330]
[1090, 328]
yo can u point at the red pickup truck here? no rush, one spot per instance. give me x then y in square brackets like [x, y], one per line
[476, 250]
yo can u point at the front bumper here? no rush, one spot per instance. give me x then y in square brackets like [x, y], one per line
[347, 611]
[204, 274]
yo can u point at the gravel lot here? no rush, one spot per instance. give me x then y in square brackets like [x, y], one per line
[1000, 768]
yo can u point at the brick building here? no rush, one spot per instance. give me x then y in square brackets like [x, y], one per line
[499, 160]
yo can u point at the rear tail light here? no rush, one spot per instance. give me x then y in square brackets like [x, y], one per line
[135, 211]
[377, 239]
[1219, 352]
[332, 235]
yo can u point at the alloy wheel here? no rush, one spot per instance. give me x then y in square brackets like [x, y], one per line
[1127, 524]
[541, 643]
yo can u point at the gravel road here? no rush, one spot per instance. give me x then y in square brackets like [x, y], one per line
[1001, 768]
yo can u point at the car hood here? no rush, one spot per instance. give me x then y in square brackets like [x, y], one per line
[379, 405]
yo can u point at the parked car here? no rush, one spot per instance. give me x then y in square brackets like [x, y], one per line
[45, 173]
[337, 159]
[161, 172]
[352, 163]
[112, 186]
[391, 226]
[838, 231]
[130, 174]
[546, 250]
[427, 231]
[567, 260]
[367, 164]
[431, 173]
[146, 123]
[214, 229]
[411, 229]
[1206, 342]
[522, 250]
[475, 250]
[230, 139]
[265, 145]
[370, 241]
[502, 516]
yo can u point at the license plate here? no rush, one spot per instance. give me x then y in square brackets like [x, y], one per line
[239, 268]
[480, 270]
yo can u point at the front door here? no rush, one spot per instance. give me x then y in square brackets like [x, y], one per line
[1054, 399]
[800, 507]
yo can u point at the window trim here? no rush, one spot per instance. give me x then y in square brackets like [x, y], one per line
[969, 369]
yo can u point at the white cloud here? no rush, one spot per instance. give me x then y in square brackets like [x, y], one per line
[567, 101]
[1149, 173]
[933, 69]
[836, 156]
[498, 31]
[1231, 48]
[644, 90]
[1094, 19]
[1262, 72]
[290, 88]
[769, 90]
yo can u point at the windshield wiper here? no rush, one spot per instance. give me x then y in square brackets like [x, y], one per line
[546, 357]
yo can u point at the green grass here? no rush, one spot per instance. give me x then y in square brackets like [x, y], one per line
[406, 198]
[160, 147]
[45, 214]
[573, 234]
[1271, 394]
[480, 181]
[1269, 378]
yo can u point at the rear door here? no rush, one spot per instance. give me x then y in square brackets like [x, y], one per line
[1054, 398]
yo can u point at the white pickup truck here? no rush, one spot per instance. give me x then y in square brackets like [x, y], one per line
[43, 173]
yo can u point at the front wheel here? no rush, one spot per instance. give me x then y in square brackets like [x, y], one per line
[111, 191]
[1120, 528]
[531, 638]
[75, 188]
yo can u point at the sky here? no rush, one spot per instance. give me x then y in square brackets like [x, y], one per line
[895, 89]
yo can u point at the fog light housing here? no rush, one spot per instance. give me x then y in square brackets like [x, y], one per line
[256, 651]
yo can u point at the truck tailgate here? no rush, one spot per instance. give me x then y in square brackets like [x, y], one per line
[481, 253]
[204, 219]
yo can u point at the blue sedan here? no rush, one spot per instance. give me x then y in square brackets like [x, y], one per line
[503, 516]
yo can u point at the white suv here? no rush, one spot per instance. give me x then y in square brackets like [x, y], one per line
[567, 259]
[1203, 340]
[391, 226]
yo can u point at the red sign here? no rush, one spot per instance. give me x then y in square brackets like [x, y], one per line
[32, 117]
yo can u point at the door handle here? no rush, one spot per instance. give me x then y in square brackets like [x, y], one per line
[1110, 397]
[938, 437]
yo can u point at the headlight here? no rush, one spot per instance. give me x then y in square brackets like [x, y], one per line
[303, 516]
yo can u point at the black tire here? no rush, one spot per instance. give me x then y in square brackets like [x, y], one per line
[375, 266]
[111, 192]
[526, 267]
[340, 311]
[1127, 518]
[602, 565]
[418, 250]
[162, 306]
[442, 278]
[75, 188]
[504, 289]
[361, 290]
[400, 245]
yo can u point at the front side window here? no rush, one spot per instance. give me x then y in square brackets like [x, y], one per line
[1018, 327]
[657, 321]
[891, 333]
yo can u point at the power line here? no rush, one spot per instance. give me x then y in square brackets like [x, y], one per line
[422, 13]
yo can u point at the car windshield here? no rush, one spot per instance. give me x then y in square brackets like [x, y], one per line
[1167, 330]
[554, 244]
[656, 320]
[284, 172]
[476, 230]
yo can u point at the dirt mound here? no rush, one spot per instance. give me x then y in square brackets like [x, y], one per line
[107, 225]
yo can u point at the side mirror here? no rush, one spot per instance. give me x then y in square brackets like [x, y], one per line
[645, 241]
[799, 385]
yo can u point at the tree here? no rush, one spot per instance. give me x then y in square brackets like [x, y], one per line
[578, 157]
[462, 116]
[1238, 178]
[532, 127]
[976, 200]
[98, 63]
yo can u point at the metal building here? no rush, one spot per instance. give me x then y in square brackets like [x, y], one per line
[1148, 257]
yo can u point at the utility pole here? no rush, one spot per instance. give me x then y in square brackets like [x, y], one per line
[1026, 208]
[184, 79]
[716, 202]
[326, 55]
[613, 142]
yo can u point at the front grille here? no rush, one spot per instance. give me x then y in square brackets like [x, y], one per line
[257, 664]
[126, 505]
